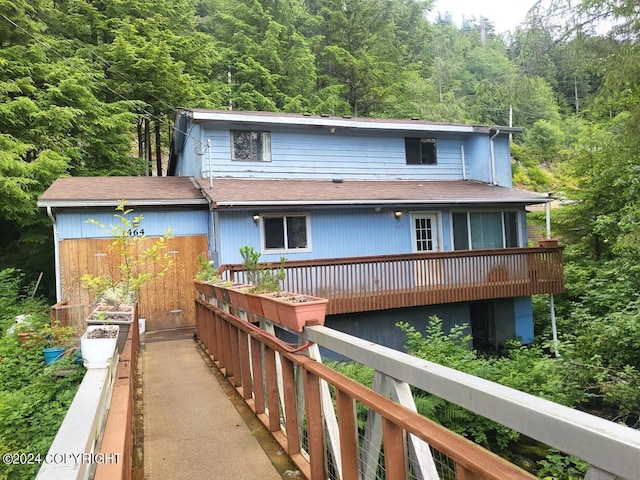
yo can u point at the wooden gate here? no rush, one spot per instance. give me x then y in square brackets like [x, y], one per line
[166, 301]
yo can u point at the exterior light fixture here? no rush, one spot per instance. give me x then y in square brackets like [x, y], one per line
[397, 214]
[256, 218]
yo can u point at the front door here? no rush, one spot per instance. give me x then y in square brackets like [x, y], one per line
[425, 232]
[425, 238]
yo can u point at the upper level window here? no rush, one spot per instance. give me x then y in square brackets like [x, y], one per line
[420, 151]
[484, 230]
[285, 232]
[250, 146]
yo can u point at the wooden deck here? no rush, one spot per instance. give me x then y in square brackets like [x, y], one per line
[359, 284]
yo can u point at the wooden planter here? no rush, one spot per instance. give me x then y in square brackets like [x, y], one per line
[549, 243]
[295, 311]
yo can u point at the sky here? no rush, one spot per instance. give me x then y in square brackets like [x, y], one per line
[505, 15]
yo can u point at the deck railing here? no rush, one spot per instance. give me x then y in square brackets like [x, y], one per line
[311, 409]
[358, 284]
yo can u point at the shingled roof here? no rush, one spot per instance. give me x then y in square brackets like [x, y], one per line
[110, 191]
[243, 192]
[232, 192]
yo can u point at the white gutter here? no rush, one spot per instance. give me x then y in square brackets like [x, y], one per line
[56, 253]
[115, 203]
[315, 121]
[285, 203]
[493, 157]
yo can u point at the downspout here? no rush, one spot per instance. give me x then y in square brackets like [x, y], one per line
[215, 216]
[493, 157]
[210, 164]
[548, 216]
[464, 166]
[56, 253]
[554, 328]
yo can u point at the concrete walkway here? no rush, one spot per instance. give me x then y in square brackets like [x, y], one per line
[191, 428]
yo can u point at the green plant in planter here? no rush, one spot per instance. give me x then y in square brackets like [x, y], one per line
[208, 273]
[263, 277]
[123, 281]
[57, 335]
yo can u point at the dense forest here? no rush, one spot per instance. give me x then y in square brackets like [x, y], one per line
[89, 87]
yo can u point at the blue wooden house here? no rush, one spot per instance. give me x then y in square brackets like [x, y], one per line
[390, 219]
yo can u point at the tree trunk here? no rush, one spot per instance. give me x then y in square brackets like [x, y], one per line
[140, 139]
[158, 147]
[147, 146]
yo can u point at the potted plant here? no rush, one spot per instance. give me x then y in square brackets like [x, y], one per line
[26, 330]
[263, 278]
[57, 337]
[207, 278]
[98, 345]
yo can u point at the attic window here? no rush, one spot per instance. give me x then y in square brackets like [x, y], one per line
[250, 146]
[420, 151]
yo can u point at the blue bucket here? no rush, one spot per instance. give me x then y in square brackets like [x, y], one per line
[53, 354]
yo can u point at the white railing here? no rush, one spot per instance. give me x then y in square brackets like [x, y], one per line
[72, 455]
[612, 450]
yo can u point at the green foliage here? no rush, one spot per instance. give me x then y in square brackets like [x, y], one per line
[206, 271]
[137, 266]
[34, 398]
[263, 277]
[528, 369]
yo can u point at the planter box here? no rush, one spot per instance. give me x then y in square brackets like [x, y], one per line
[204, 288]
[549, 243]
[101, 315]
[295, 311]
[238, 296]
[222, 293]
[98, 352]
[269, 305]
[255, 303]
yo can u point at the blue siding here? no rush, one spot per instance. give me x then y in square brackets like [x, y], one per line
[75, 225]
[479, 158]
[333, 233]
[347, 232]
[301, 154]
[523, 311]
[503, 160]
[189, 162]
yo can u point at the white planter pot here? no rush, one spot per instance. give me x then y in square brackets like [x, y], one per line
[98, 352]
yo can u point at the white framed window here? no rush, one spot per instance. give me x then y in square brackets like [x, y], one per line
[285, 232]
[250, 146]
[480, 230]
